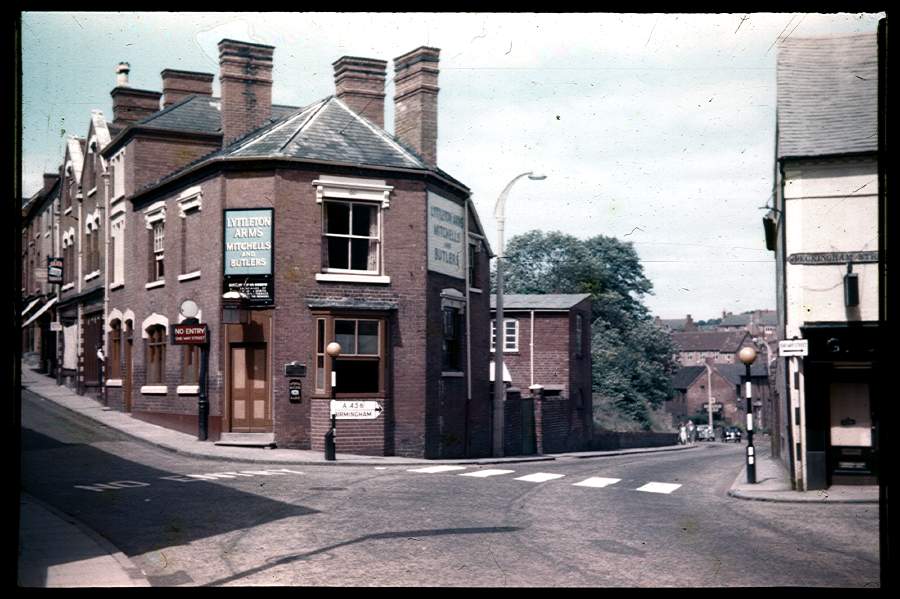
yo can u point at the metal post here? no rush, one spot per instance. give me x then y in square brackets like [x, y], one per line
[330, 449]
[202, 399]
[751, 457]
[500, 338]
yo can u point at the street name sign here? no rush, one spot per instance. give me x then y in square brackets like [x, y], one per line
[793, 347]
[355, 410]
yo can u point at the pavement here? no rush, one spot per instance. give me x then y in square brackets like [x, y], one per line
[49, 539]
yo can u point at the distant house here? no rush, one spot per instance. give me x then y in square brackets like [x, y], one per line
[695, 387]
[547, 342]
[693, 348]
[676, 324]
[759, 323]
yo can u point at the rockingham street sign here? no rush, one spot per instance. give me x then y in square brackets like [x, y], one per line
[793, 347]
[355, 410]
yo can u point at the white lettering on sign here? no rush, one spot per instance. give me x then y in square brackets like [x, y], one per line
[446, 229]
[248, 242]
[355, 410]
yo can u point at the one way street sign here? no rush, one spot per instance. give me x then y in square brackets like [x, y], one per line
[355, 410]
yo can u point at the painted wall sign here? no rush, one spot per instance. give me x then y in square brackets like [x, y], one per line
[446, 237]
[248, 242]
[809, 258]
[260, 290]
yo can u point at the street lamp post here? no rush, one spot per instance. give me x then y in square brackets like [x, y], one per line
[499, 328]
[333, 350]
[709, 403]
[747, 355]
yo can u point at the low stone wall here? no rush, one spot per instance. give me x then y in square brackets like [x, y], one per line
[608, 440]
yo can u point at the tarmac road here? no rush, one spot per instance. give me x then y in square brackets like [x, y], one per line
[647, 520]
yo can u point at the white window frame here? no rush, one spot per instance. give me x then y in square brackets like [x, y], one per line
[117, 164]
[506, 338]
[355, 190]
[350, 236]
[117, 243]
[153, 215]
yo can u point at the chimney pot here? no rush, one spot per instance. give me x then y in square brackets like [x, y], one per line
[415, 100]
[122, 71]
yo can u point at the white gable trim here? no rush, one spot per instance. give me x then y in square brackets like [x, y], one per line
[152, 320]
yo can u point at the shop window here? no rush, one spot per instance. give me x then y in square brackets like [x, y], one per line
[510, 337]
[156, 355]
[351, 237]
[114, 359]
[360, 368]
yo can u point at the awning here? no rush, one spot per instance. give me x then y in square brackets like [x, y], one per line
[37, 314]
[506, 377]
[30, 306]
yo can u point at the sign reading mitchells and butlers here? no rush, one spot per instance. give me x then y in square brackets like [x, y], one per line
[248, 245]
[54, 270]
[446, 237]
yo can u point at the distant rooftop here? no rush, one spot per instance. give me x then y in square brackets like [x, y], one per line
[546, 301]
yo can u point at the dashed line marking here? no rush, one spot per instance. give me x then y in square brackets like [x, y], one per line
[436, 469]
[539, 477]
[658, 487]
[486, 473]
[597, 482]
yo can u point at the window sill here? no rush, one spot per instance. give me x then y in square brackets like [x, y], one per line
[92, 275]
[351, 278]
[475, 290]
[91, 191]
[154, 390]
[114, 382]
[187, 389]
[67, 286]
[507, 352]
[189, 276]
[155, 284]
[349, 396]
[67, 211]
[453, 374]
[115, 286]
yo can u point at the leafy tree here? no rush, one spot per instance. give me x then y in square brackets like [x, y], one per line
[632, 357]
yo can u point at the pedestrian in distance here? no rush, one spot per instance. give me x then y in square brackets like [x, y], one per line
[691, 432]
[682, 435]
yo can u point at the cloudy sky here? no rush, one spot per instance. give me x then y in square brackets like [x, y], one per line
[653, 128]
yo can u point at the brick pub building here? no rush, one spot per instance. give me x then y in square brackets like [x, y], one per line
[335, 229]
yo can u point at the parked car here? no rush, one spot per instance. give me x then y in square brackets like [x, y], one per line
[731, 433]
[705, 433]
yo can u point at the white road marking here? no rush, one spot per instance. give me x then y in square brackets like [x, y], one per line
[436, 469]
[113, 486]
[539, 477]
[486, 473]
[658, 487]
[597, 481]
[380, 467]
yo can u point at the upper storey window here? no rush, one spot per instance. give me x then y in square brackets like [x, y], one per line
[352, 237]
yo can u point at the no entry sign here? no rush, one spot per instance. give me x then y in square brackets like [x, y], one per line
[189, 334]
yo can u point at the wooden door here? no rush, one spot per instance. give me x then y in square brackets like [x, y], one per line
[251, 410]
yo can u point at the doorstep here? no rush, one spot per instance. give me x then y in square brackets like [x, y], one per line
[247, 439]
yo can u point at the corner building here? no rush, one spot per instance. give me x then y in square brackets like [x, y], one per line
[337, 231]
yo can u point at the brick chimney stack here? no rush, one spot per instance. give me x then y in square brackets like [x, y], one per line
[177, 85]
[415, 100]
[245, 73]
[131, 105]
[359, 83]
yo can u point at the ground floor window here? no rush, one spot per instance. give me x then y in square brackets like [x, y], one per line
[359, 370]
[190, 364]
[113, 360]
[156, 355]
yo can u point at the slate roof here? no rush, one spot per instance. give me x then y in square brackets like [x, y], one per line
[686, 375]
[735, 320]
[827, 99]
[327, 130]
[676, 324]
[547, 301]
[734, 372]
[199, 114]
[723, 341]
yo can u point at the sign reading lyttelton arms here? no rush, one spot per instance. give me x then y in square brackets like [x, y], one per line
[248, 254]
[808, 258]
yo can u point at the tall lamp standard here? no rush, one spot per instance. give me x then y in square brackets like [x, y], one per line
[499, 328]
[747, 355]
[709, 403]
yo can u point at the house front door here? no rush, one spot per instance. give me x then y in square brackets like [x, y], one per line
[251, 408]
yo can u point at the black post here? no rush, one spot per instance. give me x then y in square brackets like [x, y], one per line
[202, 399]
[330, 449]
[751, 456]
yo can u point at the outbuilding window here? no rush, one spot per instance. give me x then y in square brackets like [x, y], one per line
[510, 337]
